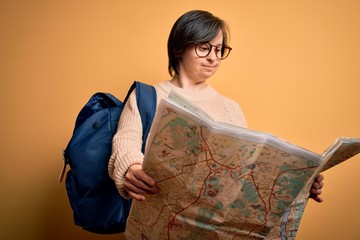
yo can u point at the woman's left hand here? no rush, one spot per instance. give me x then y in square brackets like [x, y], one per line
[316, 187]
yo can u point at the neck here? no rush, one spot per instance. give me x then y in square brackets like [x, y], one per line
[185, 83]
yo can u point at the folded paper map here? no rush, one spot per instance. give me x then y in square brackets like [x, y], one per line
[219, 181]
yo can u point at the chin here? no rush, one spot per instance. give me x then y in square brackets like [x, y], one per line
[208, 75]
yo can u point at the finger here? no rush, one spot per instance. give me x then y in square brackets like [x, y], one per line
[134, 185]
[134, 192]
[319, 178]
[317, 185]
[143, 178]
[317, 198]
[136, 196]
[130, 187]
[142, 184]
[135, 182]
[315, 191]
[138, 173]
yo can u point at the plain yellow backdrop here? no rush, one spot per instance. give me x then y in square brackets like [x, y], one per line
[294, 69]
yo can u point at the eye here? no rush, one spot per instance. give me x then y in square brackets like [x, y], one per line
[203, 47]
[218, 48]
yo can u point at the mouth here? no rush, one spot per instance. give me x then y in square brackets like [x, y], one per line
[210, 66]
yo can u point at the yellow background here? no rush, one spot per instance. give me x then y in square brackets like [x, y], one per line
[295, 70]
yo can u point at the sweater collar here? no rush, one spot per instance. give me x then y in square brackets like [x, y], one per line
[204, 94]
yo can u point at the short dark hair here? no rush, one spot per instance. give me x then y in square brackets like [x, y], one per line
[192, 27]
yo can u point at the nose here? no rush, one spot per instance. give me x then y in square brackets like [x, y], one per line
[212, 54]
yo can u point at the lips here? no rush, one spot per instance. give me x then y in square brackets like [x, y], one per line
[210, 66]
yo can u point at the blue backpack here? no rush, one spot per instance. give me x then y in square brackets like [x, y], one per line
[97, 206]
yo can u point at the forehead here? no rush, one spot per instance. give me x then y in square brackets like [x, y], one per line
[218, 39]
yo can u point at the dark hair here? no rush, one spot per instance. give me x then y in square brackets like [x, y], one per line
[192, 27]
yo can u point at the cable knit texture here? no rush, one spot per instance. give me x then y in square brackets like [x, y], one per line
[126, 149]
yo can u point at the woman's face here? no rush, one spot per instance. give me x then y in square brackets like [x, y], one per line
[199, 69]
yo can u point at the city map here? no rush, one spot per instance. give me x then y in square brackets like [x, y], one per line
[218, 181]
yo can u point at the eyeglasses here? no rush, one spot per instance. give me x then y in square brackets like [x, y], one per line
[204, 49]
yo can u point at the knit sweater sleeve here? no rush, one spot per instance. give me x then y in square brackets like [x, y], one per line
[126, 144]
[238, 115]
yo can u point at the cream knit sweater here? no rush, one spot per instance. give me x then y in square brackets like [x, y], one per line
[126, 146]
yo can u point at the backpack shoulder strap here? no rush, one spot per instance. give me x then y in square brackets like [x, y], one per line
[146, 101]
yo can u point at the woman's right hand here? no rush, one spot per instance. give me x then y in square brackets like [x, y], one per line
[137, 183]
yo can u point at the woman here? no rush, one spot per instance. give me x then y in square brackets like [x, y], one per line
[196, 46]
